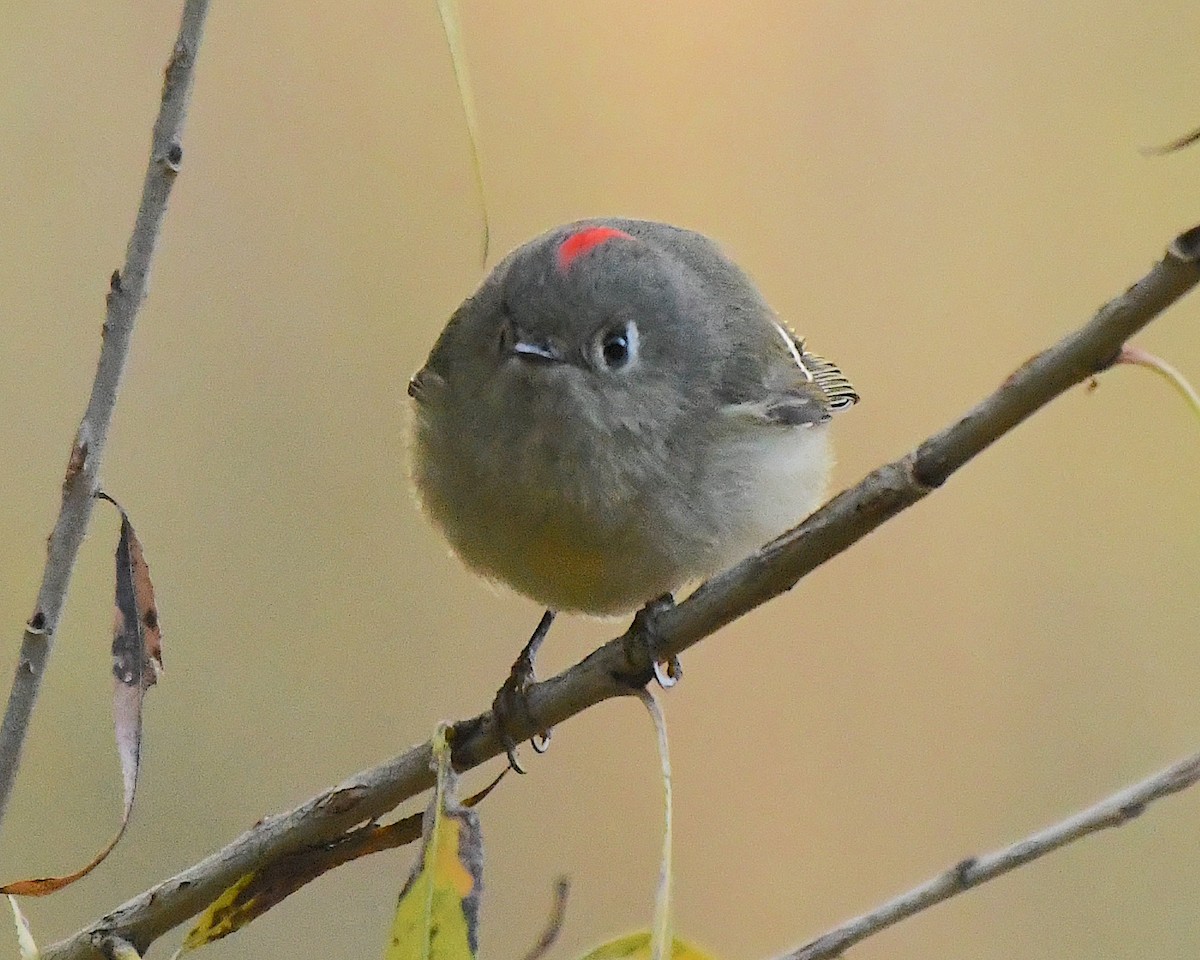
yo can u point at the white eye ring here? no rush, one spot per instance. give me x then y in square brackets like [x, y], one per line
[617, 347]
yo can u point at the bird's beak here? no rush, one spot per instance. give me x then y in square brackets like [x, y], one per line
[425, 384]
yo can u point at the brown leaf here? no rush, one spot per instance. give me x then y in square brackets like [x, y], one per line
[257, 892]
[137, 663]
[136, 651]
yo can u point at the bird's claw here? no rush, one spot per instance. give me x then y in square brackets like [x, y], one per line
[666, 671]
[511, 703]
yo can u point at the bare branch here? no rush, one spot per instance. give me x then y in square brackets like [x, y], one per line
[127, 291]
[1114, 811]
[609, 671]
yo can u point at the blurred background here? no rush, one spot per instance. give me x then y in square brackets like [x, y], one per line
[929, 191]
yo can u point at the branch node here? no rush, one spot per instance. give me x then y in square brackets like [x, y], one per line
[37, 624]
[114, 290]
[465, 732]
[1131, 810]
[1106, 362]
[960, 873]
[180, 59]
[345, 800]
[174, 156]
[923, 475]
[1186, 246]
[77, 462]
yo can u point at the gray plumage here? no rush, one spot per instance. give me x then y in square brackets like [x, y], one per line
[617, 412]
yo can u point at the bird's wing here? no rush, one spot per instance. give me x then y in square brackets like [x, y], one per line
[839, 391]
[794, 387]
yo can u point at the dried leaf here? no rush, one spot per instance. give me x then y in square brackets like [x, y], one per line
[437, 917]
[257, 892]
[41, 886]
[137, 663]
[136, 651]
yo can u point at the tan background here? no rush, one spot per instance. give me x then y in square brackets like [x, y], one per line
[930, 191]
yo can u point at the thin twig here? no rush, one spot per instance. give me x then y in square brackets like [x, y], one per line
[606, 673]
[127, 291]
[558, 913]
[1114, 811]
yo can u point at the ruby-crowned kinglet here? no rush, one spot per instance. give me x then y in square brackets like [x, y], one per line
[615, 413]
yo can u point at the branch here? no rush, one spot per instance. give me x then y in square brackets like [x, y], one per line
[608, 671]
[127, 291]
[1114, 811]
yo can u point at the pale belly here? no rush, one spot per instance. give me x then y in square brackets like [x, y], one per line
[606, 558]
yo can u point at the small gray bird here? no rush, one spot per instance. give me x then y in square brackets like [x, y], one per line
[616, 413]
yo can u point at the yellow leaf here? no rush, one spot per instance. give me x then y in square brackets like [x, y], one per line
[636, 946]
[220, 919]
[437, 916]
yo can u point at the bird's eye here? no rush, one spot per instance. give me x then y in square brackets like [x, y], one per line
[617, 347]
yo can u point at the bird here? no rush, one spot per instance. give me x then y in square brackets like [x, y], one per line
[614, 414]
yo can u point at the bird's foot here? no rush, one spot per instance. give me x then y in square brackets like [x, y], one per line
[511, 703]
[646, 645]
